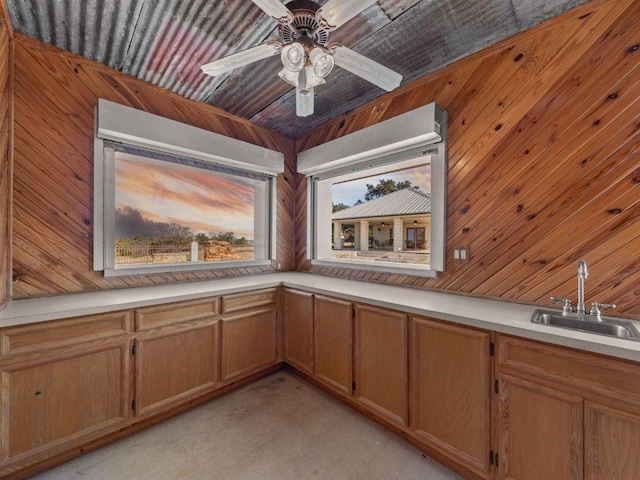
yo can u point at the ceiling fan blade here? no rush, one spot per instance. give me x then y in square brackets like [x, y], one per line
[240, 59]
[366, 68]
[275, 9]
[337, 12]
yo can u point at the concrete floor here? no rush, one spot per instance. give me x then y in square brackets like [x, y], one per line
[278, 428]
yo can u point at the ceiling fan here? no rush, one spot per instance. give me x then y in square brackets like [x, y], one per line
[306, 54]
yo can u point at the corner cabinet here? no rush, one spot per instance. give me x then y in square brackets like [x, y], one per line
[68, 384]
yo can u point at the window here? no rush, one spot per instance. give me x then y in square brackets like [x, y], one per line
[380, 208]
[158, 211]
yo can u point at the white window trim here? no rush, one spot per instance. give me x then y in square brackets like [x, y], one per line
[120, 124]
[409, 137]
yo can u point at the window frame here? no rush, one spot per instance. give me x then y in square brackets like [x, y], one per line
[405, 145]
[120, 125]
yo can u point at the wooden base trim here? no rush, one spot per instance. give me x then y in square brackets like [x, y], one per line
[28, 468]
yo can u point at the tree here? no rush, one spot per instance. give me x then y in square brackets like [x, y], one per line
[339, 206]
[384, 187]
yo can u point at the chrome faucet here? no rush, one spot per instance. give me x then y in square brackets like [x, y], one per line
[582, 275]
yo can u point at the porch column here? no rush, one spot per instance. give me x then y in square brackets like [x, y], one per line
[398, 235]
[337, 236]
[364, 235]
[356, 235]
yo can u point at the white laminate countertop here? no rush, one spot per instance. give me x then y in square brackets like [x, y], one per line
[500, 316]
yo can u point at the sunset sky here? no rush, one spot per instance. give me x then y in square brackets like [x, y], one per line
[208, 202]
[352, 191]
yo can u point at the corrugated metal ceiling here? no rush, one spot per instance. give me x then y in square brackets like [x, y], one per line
[165, 42]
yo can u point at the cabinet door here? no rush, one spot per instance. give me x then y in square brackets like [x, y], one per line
[176, 364]
[612, 444]
[63, 399]
[540, 432]
[248, 343]
[381, 362]
[333, 343]
[451, 391]
[298, 329]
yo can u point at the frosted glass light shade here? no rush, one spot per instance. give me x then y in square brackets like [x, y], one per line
[322, 62]
[293, 56]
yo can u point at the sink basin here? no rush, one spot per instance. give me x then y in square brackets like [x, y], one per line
[608, 326]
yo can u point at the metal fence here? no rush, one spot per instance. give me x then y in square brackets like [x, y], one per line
[145, 252]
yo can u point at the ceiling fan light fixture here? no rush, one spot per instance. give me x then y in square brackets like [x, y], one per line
[313, 80]
[304, 101]
[321, 61]
[293, 56]
[302, 87]
[289, 76]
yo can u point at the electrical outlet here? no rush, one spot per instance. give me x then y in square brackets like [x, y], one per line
[461, 254]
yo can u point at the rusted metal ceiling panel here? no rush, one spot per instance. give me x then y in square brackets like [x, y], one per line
[96, 29]
[178, 37]
[532, 12]
[165, 42]
[253, 88]
[440, 32]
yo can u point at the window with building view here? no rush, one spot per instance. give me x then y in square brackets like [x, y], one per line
[384, 217]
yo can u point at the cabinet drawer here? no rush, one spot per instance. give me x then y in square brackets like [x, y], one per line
[587, 371]
[242, 301]
[154, 317]
[62, 333]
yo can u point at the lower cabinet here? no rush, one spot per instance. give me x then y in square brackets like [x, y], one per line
[450, 393]
[63, 397]
[612, 443]
[298, 329]
[566, 414]
[248, 343]
[333, 343]
[173, 366]
[380, 362]
[541, 432]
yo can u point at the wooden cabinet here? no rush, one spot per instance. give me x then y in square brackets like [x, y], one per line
[580, 412]
[540, 432]
[298, 330]
[248, 333]
[248, 343]
[176, 355]
[62, 398]
[380, 361]
[333, 343]
[612, 443]
[450, 391]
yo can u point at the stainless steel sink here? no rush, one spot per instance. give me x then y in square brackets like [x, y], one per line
[606, 326]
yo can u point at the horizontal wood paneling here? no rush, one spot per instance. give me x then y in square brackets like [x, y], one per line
[544, 141]
[55, 96]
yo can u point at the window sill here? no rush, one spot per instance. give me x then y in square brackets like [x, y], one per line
[378, 266]
[183, 267]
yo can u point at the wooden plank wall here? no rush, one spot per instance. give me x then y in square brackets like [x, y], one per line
[55, 96]
[544, 161]
[5, 161]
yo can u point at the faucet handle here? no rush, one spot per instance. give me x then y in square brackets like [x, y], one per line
[567, 304]
[596, 307]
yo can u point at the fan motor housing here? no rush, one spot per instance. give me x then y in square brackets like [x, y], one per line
[304, 23]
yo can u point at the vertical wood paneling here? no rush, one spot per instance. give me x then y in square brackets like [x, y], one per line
[55, 96]
[5, 159]
[543, 161]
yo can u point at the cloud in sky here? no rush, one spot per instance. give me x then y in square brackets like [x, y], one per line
[352, 191]
[204, 200]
